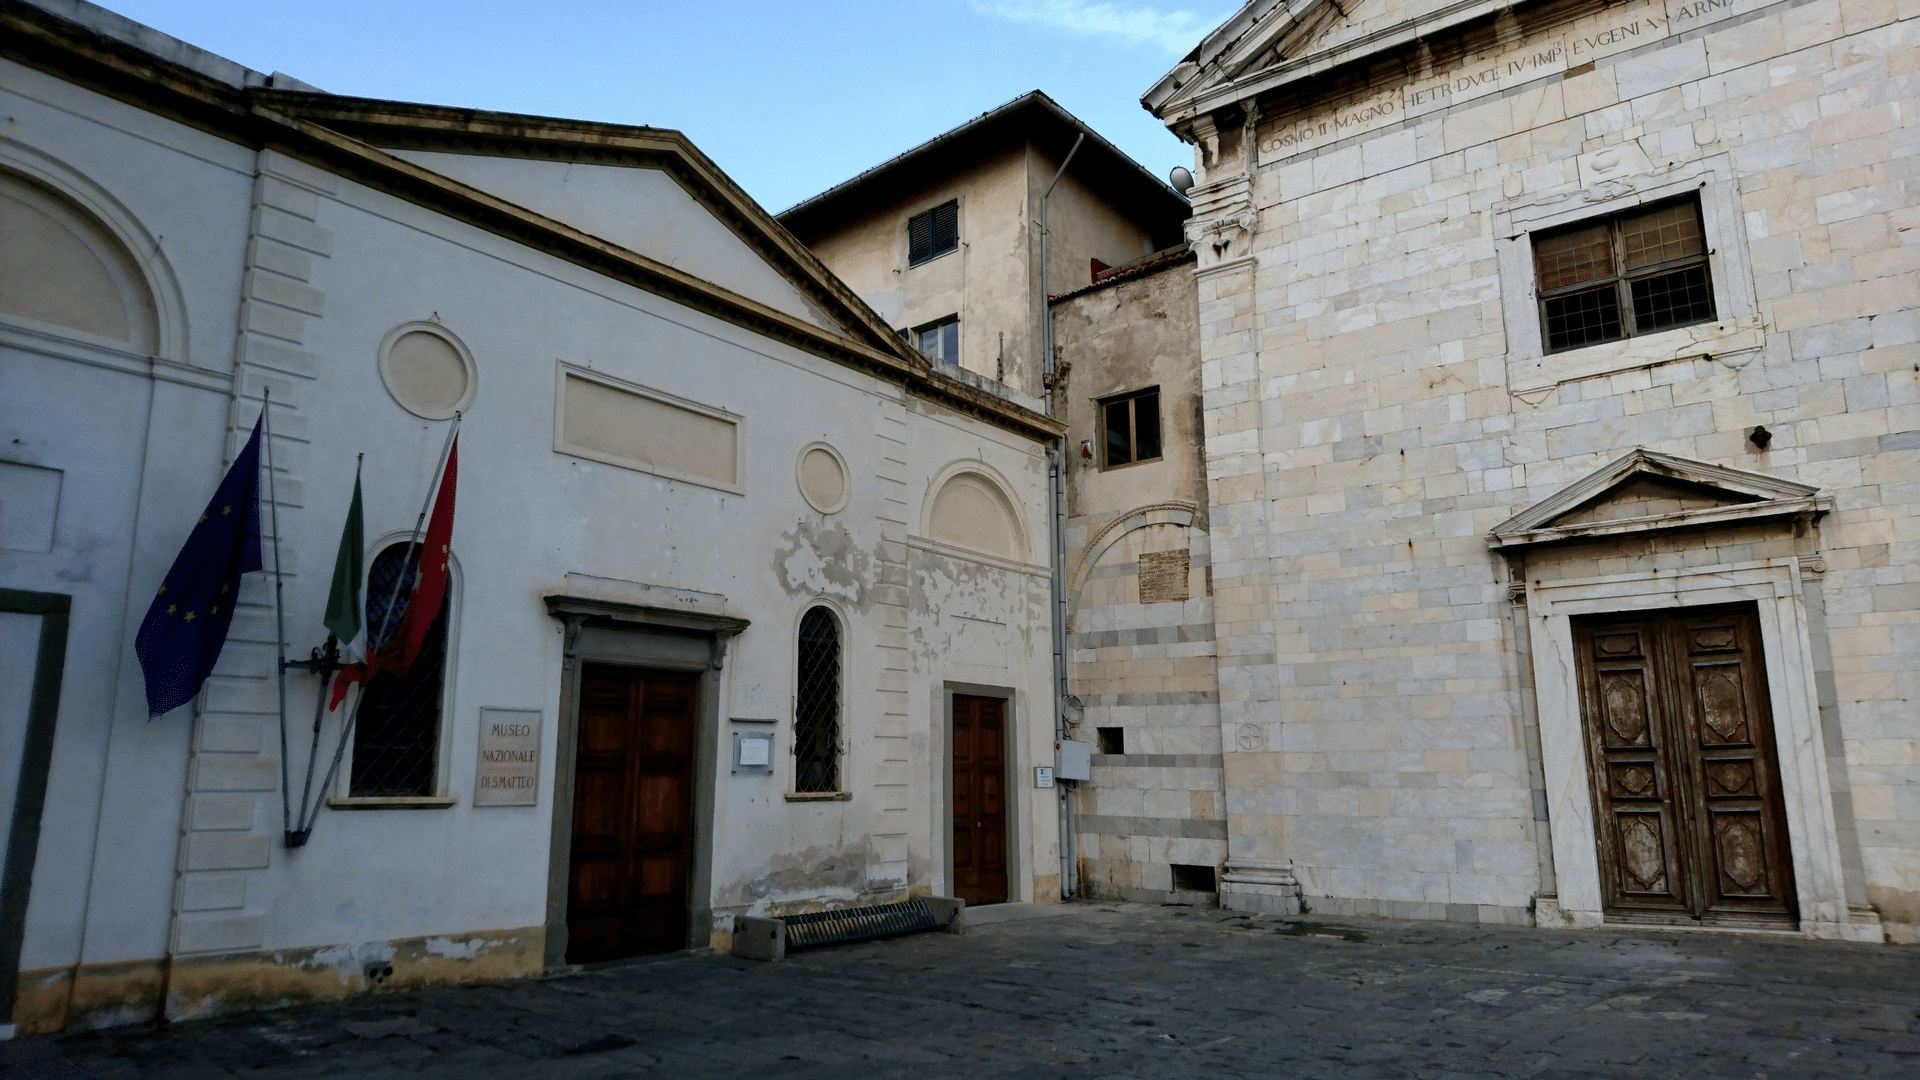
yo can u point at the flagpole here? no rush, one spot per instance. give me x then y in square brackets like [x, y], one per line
[324, 662]
[279, 607]
[413, 542]
[413, 545]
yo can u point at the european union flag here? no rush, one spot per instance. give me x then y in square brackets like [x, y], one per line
[187, 625]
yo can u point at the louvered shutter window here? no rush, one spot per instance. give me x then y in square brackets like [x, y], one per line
[933, 233]
[946, 227]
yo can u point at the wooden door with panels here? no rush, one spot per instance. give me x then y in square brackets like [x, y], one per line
[979, 799]
[1686, 781]
[632, 843]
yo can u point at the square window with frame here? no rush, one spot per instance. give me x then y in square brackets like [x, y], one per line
[1637, 272]
[933, 233]
[1130, 428]
[939, 340]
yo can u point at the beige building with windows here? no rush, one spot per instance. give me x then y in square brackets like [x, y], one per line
[944, 241]
[1560, 366]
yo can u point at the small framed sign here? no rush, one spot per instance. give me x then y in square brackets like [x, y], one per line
[1043, 776]
[508, 769]
[752, 747]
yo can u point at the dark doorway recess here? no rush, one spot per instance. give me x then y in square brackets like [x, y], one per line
[632, 814]
[36, 635]
[1189, 878]
[979, 799]
[1686, 783]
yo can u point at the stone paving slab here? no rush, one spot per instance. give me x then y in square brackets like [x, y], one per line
[1107, 991]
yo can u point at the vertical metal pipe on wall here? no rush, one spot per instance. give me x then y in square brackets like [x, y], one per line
[1057, 483]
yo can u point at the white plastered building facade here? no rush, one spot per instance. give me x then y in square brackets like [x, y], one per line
[572, 291]
[1432, 509]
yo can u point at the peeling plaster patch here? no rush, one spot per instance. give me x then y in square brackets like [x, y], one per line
[449, 949]
[801, 881]
[823, 560]
[947, 586]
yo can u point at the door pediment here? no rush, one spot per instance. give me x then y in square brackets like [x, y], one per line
[1646, 492]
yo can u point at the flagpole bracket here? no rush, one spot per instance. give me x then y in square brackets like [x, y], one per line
[298, 837]
[323, 662]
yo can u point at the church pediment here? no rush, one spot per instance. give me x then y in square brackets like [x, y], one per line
[1269, 43]
[1652, 492]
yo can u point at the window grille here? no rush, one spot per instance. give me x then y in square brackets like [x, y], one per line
[396, 735]
[933, 233]
[1131, 426]
[816, 704]
[1638, 272]
[940, 340]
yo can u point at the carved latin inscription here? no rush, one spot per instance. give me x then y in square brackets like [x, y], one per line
[1491, 71]
[508, 770]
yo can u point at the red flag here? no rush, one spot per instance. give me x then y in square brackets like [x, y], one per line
[396, 657]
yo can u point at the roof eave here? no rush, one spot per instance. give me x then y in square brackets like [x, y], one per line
[1150, 185]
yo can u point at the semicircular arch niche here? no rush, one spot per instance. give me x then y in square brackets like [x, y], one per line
[428, 370]
[64, 272]
[971, 509]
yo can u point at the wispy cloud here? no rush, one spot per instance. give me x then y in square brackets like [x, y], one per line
[1174, 31]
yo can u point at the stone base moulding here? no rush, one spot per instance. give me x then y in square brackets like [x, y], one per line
[93, 996]
[1273, 890]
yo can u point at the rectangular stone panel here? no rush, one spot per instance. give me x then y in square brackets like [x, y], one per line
[648, 432]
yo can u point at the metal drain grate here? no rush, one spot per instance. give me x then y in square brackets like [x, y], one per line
[859, 924]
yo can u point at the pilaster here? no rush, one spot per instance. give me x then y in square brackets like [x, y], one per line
[893, 780]
[233, 821]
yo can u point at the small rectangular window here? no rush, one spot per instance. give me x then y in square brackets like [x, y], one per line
[1130, 427]
[1637, 272]
[940, 340]
[933, 233]
[1113, 740]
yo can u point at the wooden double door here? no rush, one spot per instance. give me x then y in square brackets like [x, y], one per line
[1681, 753]
[632, 848]
[979, 799]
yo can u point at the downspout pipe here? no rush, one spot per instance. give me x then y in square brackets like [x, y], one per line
[1057, 482]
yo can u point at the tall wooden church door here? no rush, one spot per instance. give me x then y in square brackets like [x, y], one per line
[1686, 784]
[979, 799]
[632, 814]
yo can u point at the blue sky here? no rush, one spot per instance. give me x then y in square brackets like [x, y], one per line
[790, 98]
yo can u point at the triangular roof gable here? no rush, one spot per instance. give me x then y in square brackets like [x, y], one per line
[1741, 496]
[1272, 43]
[404, 126]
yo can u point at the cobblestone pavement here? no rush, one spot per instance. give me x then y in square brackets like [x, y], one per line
[1105, 991]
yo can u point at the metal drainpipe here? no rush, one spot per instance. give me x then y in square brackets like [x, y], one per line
[1057, 481]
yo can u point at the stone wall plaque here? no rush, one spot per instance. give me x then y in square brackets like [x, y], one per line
[508, 769]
